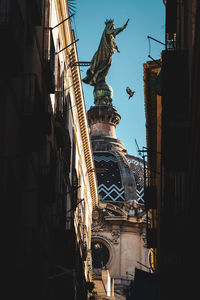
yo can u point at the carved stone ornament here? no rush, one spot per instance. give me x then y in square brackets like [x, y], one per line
[97, 220]
[115, 234]
[133, 208]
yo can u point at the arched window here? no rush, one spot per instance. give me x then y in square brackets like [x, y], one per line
[100, 254]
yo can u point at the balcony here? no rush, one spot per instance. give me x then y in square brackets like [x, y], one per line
[67, 151]
[49, 59]
[74, 179]
[59, 101]
[62, 136]
[74, 187]
[12, 37]
[84, 250]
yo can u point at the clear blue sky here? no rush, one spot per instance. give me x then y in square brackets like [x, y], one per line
[147, 17]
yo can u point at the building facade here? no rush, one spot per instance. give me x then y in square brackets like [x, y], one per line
[47, 189]
[173, 149]
[119, 221]
[153, 111]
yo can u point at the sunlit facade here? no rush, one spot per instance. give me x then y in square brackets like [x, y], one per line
[46, 157]
[153, 114]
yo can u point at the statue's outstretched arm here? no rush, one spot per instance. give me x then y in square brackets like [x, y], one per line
[118, 30]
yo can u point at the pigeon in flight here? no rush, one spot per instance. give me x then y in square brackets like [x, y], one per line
[131, 93]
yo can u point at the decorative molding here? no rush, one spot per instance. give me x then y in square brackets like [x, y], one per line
[103, 114]
[116, 209]
[82, 117]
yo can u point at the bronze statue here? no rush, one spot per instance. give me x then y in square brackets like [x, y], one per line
[102, 59]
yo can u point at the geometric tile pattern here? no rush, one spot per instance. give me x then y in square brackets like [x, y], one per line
[113, 193]
[109, 179]
[140, 195]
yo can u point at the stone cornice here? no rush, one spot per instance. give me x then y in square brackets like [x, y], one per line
[82, 117]
[67, 38]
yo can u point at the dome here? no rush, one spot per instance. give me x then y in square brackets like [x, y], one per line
[120, 178]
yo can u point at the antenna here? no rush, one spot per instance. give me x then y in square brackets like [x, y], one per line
[138, 149]
[142, 153]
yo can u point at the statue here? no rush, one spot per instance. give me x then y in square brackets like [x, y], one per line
[101, 63]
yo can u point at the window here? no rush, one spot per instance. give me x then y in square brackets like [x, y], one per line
[100, 254]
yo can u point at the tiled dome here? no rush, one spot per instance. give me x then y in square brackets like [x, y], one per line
[119, 178]
[119, 175]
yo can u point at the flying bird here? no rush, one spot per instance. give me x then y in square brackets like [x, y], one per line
[131, 93]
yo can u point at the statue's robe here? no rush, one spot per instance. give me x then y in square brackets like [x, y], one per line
[102, 59]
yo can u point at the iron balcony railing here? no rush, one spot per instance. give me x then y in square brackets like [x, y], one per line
[49, 58]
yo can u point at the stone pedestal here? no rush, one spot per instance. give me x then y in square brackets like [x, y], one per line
[103, 120]
[103, 94]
